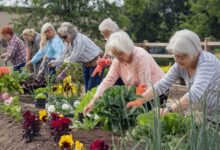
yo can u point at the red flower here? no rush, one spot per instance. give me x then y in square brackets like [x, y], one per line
[141, 88]
[99, 144]
[55, 116]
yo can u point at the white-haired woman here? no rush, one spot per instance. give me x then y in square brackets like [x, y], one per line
[133, 64]
[107, 27]
[83, 50]
[51, 47]
[199, 69]
[32, 39]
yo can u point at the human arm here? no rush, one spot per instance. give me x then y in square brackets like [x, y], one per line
[109, 80]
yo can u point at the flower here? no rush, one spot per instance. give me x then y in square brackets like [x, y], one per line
[99, 144]
[76, 103]
[4, 70]
[65, 107]
[51, 108]
[79, 146]
[43, 115]
[5, 96]
[8, 101]
[66, 141]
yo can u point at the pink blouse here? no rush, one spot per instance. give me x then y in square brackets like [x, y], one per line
[142, 69]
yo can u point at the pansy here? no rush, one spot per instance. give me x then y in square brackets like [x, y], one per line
[66, 141]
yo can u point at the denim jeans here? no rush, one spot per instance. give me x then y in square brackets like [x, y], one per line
[90, 81]
[18, 67]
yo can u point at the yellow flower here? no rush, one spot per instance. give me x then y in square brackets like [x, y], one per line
[73, 88]
[67, 79]
[58, 89]
[61, 115]
[79, 146]
[66, 141]
[43, 115]
[165, 68]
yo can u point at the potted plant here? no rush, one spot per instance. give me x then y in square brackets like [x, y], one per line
[40, 101]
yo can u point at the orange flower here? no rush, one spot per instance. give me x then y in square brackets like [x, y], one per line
[4, 70]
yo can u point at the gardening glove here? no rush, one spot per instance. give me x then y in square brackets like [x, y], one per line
[61, 76]
[141, 88]
[102, 62]
[138, 102]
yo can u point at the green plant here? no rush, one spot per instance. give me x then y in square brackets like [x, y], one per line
[85, 100]
[10, 83]
[112, 106]
[13, 110]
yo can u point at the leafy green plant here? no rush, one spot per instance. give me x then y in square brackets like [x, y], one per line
[85, 100]
[10, 83]
[112, 106]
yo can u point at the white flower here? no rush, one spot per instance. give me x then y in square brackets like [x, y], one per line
[96, 117]
[65, 107]
[76, 103]
[5, 96]
[89, 115]
[51, 108]
[8, 101]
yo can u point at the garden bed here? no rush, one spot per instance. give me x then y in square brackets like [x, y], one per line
[11, 134]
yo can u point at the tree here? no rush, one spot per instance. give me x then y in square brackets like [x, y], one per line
[204, 18]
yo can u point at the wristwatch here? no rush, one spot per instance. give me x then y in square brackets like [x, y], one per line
[169, 109]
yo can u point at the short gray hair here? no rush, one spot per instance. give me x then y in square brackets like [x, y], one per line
[184, 42]
[120, 42]
[108, 25]
[67, 27]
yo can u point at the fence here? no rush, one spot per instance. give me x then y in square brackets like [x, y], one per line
[207, 44]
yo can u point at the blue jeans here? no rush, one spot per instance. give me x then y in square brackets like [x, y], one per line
[90, 81]
[18, 67]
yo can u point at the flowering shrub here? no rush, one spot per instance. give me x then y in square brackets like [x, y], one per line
[99, 144]
[31, 126]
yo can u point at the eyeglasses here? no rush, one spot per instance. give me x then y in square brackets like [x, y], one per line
[49, 30]
[179, 57]
[63, 37]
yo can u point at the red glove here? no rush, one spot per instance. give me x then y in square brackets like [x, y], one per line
[141, 88]
[138, 102]
[102, 62]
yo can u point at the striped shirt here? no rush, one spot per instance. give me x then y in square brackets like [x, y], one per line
[16, 51]
[83, 50]
[203, 85]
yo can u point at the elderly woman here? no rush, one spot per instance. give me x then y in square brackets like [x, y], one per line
[84, 51]
[15, 49]
[51, 47]
[199, 69]
[107, 27]
[133, 64]
[32, 40]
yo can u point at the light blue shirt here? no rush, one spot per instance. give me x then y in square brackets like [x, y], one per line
[53, 49]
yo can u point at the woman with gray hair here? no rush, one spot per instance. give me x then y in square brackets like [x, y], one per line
[199, 69]
[107, 27]
[83, 50]
[32, 39]
[51, 47]
[133, 64]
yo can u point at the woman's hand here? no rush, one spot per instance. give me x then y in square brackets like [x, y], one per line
[88, 108]
[137, 103]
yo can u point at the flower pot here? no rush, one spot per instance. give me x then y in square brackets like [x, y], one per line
[40, 103]
[80, 117]
[69, 115]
